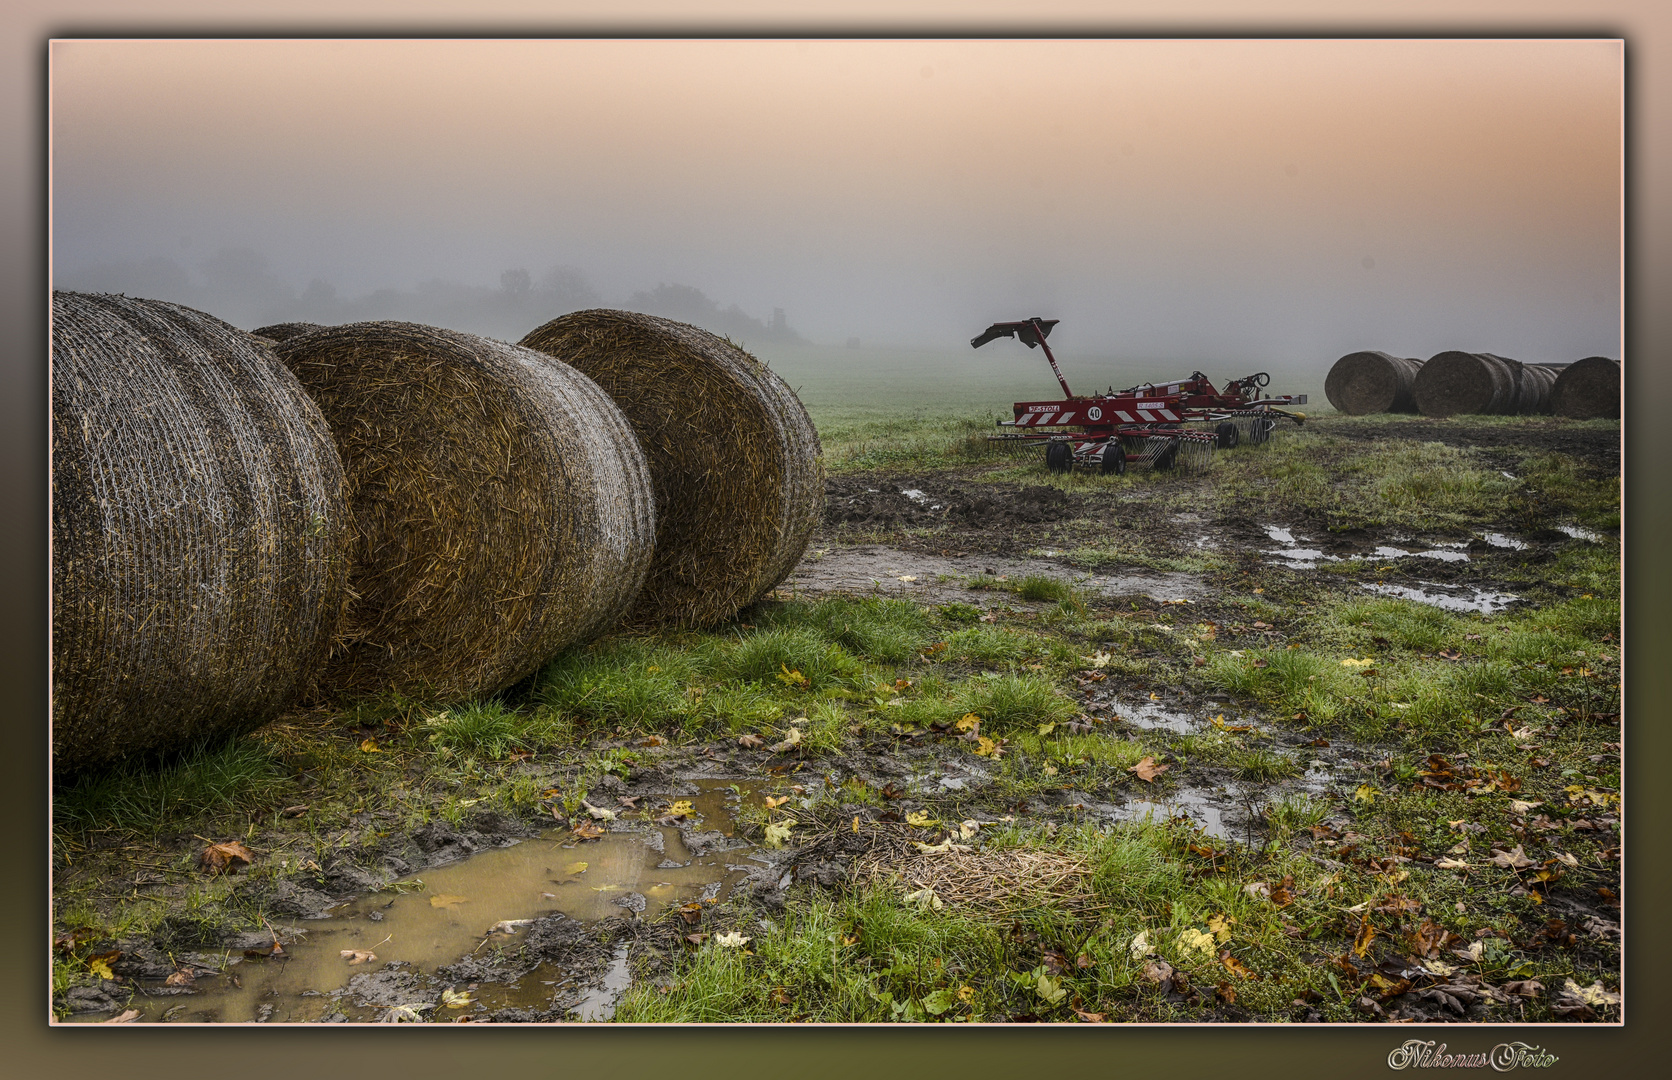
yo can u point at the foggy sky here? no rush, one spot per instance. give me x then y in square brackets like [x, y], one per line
[1262, 200]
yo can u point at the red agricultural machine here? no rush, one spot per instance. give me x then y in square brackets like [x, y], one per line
[1159, 424]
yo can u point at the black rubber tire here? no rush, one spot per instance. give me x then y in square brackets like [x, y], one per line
[1168, 457]
[1226, 434]
[1059, 457]
[1114, 458]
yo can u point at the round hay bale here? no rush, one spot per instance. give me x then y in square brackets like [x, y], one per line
[1372, 382]
[1454, 382]
[735, 461]
[1533, 383]
[199, 529]
[284, 331]
[1587, 389]
[502, 509]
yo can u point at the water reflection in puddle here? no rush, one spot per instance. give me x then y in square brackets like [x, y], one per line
[1499, 540]
[1580, 533]
[488, 900]
[1479, 600]
[1302, 558]
[1186, 804]
[599, 1002]
[1152, 717]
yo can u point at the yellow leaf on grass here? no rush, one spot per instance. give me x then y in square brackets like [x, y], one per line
[1194, 939]
[101, 969]
[969, 721]
[774, 802]
[1355, 663]
[921, 819]
[1365, 793]
[778, 833]
[1220, 926]
[369, 746]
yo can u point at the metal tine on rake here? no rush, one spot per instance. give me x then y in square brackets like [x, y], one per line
[1195, 456]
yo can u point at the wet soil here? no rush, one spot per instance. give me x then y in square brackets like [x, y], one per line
[502, 919]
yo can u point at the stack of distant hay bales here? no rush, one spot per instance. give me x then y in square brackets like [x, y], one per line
[1372, 382]
[502, 510]
[1456, 382]
[1587, 389]
[199, 529]
[734, 459]
[1453, 382]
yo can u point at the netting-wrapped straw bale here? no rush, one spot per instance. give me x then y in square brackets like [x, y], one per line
[734, 459]
[1455, 382]
[1587, 389]
[502, 509]
[283, 331]
[1372, 382]
[199, 529]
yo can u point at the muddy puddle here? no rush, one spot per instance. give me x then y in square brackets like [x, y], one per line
[1295, 556]
[879, 570]
[380, 951]
[1448, 597]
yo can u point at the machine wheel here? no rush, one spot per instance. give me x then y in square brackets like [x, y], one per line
[1168, 457]
[1258, 431]
[1059, 457]
[1227, 435]
[1114, 458]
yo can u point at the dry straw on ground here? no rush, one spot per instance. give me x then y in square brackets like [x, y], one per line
[199, 530]
[283, 331]
[1453, 383]
[999, 881]
[734, 458]
[502, 509]
[1587, 389]
[1372, 382]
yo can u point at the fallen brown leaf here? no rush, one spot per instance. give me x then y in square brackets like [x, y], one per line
[224, 858]
[1158, 971]
[126, 1017]
[751, 742]
[1147, 770]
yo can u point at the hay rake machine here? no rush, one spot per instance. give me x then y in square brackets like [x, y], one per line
[1162, 425]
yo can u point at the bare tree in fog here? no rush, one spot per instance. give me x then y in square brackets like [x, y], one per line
[689, 304]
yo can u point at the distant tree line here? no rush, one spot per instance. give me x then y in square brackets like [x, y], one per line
[239, 286]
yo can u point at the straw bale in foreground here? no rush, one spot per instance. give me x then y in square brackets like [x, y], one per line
[502, 509]
[283, 331]
[199, 531]
[734, 459]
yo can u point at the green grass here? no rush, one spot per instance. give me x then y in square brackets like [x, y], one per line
[231, 778]
[489, 730]
[1044, 587]
[633, 681]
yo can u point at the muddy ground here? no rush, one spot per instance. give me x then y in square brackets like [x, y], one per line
[941, 537]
